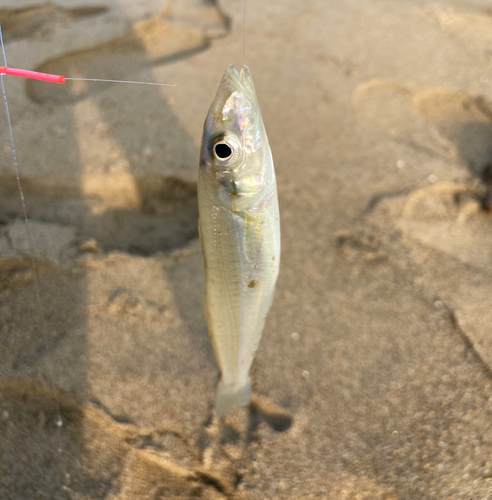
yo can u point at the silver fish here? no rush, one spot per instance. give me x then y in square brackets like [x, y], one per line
[239, 231]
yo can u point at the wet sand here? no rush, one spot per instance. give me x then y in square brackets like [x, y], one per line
[373, 376]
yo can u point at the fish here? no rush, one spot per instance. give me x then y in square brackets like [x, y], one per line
[239, 230]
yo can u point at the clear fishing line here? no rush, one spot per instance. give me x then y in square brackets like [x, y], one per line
[44, 329]
[244, 32]
[121, 81]
[24, 209]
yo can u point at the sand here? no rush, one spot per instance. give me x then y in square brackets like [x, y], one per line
[373, 377]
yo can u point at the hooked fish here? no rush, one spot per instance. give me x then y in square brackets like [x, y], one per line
[239, 232]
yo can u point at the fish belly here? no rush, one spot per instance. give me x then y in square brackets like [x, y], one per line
[242, 253]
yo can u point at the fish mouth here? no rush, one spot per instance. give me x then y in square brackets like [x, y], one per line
[238, 80]
[235, 105]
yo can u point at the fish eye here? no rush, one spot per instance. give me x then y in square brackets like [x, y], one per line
[222, 151]
[225, 149]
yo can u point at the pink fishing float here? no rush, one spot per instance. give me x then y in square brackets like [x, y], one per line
[33, 75]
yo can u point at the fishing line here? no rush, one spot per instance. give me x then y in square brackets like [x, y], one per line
[47, 77]
[121, 81]
[26, 219]
[24, 209]
[244, 32]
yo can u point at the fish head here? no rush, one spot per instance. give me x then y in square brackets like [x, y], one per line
[235, 150]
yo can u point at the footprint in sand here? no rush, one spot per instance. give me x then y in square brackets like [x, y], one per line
[183, 29]
[474, 30]
[390, 107]
[453, 125]
[137, 213]
[165, 218]
[90, 454]
[229, 446]
[437, 121]
[39, 20]
[449, 218]
[464, 120]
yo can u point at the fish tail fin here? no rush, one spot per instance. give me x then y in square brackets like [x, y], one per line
[232, 396]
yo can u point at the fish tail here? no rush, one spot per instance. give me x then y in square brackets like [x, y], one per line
[232, 396]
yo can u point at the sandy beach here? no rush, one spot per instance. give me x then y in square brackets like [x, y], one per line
[372, 380]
